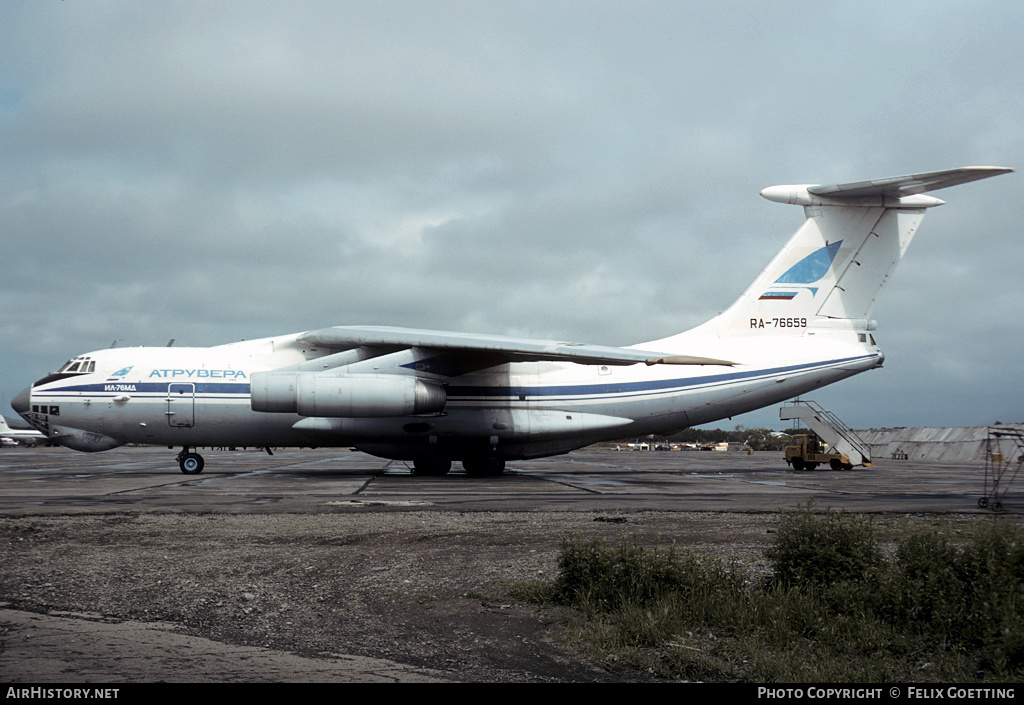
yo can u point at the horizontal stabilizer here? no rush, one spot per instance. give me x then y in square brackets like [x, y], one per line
[899, 186]
[896, 191]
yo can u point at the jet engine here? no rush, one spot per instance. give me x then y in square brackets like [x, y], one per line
[345, 395]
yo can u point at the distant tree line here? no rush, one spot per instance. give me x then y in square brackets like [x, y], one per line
[753, 438]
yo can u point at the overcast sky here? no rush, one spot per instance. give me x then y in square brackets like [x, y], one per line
[586, 170]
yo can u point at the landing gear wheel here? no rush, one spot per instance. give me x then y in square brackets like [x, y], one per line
[483, 467]
[983, 502]
[191, 463]
[431, 466]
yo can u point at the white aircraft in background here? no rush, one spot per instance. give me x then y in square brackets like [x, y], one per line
[20, 436]
[432, 397]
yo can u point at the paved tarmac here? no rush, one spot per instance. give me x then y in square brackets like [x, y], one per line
[84, 648]
[63, 648]
[60, 481]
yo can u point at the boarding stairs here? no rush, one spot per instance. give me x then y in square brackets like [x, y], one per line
[839, 437]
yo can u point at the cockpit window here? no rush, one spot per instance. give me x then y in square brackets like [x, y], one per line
[82, 365]
[78, 365]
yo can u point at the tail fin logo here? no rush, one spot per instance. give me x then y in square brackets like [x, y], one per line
[807, 271]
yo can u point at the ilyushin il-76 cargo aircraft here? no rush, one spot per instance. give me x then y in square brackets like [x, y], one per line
[433, 397]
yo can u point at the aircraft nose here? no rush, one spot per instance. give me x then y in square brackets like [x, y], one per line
[21, 402]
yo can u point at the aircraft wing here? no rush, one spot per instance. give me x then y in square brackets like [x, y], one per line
[490, 350]
[899, 186]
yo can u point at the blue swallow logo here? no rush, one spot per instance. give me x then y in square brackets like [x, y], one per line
[807, 271]
[812, 267]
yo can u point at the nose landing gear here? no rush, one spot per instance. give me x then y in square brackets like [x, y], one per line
[190, 463]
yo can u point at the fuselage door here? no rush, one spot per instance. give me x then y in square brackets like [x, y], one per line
[181, 405]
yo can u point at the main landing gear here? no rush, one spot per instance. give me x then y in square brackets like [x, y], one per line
[476, 466]
[190, 463]
[431, 466]
[483, 466]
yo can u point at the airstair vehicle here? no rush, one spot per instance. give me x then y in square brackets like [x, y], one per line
[831, 440]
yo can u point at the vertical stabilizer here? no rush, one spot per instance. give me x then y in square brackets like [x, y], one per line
[832, 271]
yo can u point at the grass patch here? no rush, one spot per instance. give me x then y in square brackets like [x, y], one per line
[835, 607]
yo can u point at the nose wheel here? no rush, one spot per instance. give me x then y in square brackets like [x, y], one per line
[190, 463]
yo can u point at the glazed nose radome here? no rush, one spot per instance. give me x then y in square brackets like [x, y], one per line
[20, 403]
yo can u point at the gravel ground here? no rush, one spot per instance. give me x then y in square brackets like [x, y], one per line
[427, 589]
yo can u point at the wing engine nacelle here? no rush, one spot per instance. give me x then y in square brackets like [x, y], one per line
[345, 395]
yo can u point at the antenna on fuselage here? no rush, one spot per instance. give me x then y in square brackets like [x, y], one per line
[170, 342]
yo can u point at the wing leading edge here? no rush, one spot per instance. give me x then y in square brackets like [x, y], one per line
[497, 349]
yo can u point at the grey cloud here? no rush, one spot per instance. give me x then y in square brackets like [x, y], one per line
[213, 171]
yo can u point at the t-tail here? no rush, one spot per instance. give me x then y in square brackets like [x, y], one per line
[832, 271]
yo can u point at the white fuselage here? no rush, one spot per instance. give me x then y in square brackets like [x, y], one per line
[201, 397]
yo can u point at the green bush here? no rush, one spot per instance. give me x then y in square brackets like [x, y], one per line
[970, 596]
[595, 577]
[943, 608]
[823, 548]
[929, 590]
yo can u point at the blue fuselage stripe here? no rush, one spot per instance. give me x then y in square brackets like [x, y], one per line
[149, 388]
[646, 386]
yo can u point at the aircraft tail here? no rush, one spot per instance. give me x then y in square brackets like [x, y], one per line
[832, 271]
